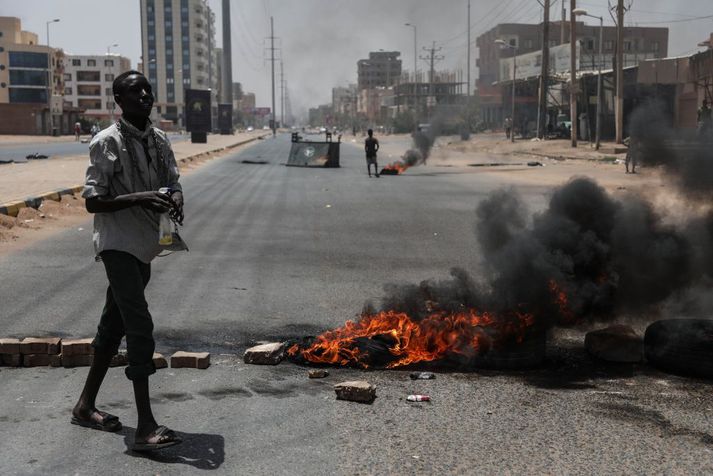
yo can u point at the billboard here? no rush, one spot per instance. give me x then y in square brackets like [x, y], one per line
[225, 117]
[198, 115]
[530, 65]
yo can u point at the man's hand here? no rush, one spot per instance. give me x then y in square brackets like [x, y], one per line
[177, 211]
[154, 201]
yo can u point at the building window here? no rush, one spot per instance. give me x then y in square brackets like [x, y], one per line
[528, 44]
[655, 46]
[30, 95]
[110, 105]
[22, 59]
[150, 23]
[1, 48]
[108, 77]
[109, 63]
[92, 76]
[67, 76]
[152, 37]
[627, 45]
[89, 103]
[67, 91]
[513, 42]
[109, 92]
[91, 62]
[152, 51]
[169, 38]
[28, 77]
[89, 90]
[169, 80]
[609, 45]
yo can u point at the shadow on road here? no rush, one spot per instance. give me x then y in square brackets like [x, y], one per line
[199, 450]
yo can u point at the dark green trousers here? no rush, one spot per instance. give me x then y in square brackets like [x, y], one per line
[126, 313]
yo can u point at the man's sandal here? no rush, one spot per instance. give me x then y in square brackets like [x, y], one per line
[162, 437]
[107, 422]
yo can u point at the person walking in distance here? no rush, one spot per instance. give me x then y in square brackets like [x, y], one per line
[508, 127]
[129, 162]
[371, 146]
[705, 120]
[77, 130]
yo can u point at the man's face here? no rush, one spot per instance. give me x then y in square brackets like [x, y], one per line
[136, 97]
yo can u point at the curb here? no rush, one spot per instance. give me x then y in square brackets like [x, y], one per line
[14, 207]
[557, 156]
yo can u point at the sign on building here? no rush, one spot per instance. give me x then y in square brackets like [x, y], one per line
[530, 65]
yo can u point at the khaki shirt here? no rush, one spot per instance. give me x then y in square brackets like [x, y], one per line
[110, 173]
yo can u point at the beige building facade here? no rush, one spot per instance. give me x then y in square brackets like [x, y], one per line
[178, 52]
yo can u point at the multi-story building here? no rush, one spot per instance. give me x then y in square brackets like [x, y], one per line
[640, 43]
[88, 83]
[344, 100]
[178, 51]
[27, 69]
[382, 69]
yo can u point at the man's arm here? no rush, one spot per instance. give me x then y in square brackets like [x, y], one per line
[154, 201]
[376, 145]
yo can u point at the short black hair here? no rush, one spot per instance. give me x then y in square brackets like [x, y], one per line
[117, 87]
[370, 132]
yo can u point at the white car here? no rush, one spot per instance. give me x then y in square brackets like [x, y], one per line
[250, 129]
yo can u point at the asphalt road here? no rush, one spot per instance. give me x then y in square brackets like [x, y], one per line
[56, 149]
[279, 252]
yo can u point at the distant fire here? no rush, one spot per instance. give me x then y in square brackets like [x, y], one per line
[394, 169]
[411, 158]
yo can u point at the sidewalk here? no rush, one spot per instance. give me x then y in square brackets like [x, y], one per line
[36, 177]
[498, 144]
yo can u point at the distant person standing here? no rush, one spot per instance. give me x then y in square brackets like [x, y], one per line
[371, 147]
[508, 127]
[704, 119]
[77, 130]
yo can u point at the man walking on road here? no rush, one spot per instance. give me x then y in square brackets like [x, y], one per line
[129, 162]
[371, 146]
[705, 119]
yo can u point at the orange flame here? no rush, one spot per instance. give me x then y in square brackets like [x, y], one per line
[399, 167]
[562, 302]
[435, 337]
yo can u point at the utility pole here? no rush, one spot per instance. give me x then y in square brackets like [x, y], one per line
[564, 20]
[573, 70]
[619, 103]
[468, 76]
[227, 80]
[545, 73]
[282, 94]
[432, 58]
[272, 60]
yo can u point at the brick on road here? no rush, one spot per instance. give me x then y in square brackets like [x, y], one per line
[265, 354]
[159, 361]
[11, 360]
[69, 361]
[71, 347]
[36, 360]
[9, 346]
[40, 345]
[190, 360]
[356, 391]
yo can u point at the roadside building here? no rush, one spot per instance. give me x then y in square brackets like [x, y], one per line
[31, 79]
[178, 51]
[88, 84]
[381, 70]
[640, 43]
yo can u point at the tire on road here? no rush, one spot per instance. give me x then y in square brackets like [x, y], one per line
[681, 346]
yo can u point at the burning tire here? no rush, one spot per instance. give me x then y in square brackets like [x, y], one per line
[682, 346]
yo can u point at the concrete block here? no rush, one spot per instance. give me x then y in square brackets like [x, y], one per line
[11, 360]
[265, 354]
[159, 361]
[119, 360]
[56, 360]
[40, 345]
[616, 343]
[356, 391]
[35, 360]
[9, 346]
[69, 361]
[190, 360]
[72, 347]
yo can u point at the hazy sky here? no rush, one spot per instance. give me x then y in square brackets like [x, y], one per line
[322, 40]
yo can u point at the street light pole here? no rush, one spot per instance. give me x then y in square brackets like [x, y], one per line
[108, 48]
[415, 69]
[514, 75]
[50, 78]
[582, 12]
